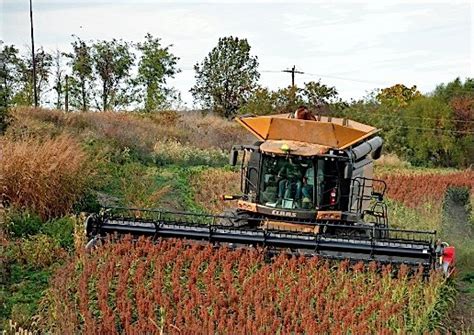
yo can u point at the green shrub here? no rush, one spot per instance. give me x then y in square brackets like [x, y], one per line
[39, 251]
[23, 224]
[88, 203]
[61, 230]
[457, 194]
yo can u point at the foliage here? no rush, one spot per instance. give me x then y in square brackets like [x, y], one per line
[38, 251]
[156, 65]
[17, 75]
[315, 95]
[428, 130]
[59, 79]
[4, 118]
[25, 95]
[61, 231]
[226, 76]
[262, 101]
[47, 177]
[175, 287]
[288, 99]
[20, 294]
[81, 63]
[398, 95]
[23, 223]
[113, 61]
[430, 137]
[10, 82]
[456, 88]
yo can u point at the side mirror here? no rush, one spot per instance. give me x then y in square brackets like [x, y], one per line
[377, 153]
[233, 157]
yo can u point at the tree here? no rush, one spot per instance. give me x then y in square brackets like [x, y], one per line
[317, 94]
[25, 93]
[288, 99]
[81, 63]
[113, 61]
[10, 71]
[9, 81]
[58, 78]
[398, 95]
[44, 62]
[226, 77]
[314, 95]
[455, 88]
[430, 137]
[261, 102]
[156, 65]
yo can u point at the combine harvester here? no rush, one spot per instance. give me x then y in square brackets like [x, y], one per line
[307, 188]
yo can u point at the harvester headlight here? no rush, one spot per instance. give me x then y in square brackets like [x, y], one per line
[285, 147]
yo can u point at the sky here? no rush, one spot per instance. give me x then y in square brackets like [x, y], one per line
[356, 46]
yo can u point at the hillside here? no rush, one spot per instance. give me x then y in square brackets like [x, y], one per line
[57, 166]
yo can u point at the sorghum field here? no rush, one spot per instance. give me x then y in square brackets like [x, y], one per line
[172, 288]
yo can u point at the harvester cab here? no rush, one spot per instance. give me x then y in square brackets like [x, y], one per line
[307, 187]
[310, 171]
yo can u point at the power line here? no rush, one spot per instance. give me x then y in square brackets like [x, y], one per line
[346, 79]
[409, 117]
[328, 76]
[435, 129]
[426, 128]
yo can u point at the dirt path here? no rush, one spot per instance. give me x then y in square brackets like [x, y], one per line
[462, 316]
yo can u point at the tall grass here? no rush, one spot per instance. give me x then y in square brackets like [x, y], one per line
[135, 133]
[211, 184]
[47, 177]
[173, 152]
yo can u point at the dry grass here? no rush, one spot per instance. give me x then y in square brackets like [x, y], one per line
[139, 132]
[211, 184]
[47, 176]
[392, 160]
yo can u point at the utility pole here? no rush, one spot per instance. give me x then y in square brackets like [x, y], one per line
[66, 95]
[33, 59]
[293, 71]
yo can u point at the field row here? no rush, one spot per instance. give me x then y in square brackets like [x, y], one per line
[414, 190]
[173, 287]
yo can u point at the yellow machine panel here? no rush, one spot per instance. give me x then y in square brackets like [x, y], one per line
[334, 133]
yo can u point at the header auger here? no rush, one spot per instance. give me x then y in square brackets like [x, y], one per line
[307, 187]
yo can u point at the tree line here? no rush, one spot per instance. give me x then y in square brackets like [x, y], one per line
[95, 74]
[433, 129]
